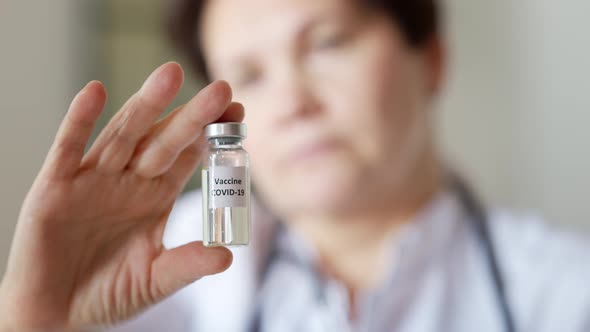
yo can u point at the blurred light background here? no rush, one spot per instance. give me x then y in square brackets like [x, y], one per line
[514, 116]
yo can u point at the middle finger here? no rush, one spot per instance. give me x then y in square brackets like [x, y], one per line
[157, 152]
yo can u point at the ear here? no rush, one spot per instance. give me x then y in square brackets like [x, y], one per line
[436, 61]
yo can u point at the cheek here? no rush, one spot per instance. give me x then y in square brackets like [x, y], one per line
[259, 145]
[367, 99]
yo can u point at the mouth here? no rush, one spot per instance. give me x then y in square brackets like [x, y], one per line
[312, 151]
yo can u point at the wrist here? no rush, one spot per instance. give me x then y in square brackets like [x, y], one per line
[6, 324]
[15, 316]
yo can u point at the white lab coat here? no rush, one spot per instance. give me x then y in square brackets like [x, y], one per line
[548, 273]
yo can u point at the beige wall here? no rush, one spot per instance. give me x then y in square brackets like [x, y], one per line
[514, 114]
[35, 84]
[516, 110]
[553, 110]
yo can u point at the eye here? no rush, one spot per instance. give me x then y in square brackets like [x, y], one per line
[332, 41]
[329, 39]
[247, 77]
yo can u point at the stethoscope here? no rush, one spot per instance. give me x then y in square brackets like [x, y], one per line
[478, 219]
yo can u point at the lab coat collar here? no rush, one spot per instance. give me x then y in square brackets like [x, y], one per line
[235, 291]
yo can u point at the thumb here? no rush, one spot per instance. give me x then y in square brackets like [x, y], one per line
[178, 267]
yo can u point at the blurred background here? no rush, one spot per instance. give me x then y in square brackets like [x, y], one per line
[514, 116]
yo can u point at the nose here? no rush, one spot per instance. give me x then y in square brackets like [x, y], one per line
[295, 95]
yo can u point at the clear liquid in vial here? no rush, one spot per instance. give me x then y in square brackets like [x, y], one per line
[224, 226]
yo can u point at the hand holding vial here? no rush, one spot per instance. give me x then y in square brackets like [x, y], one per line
[88, 249]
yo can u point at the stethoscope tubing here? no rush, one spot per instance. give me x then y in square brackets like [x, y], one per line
[477, 218]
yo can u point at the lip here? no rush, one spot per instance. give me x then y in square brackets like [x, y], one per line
[311, 151]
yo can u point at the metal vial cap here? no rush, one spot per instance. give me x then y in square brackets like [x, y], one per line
[225, 129]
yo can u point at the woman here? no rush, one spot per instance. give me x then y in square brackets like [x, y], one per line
[356, 225]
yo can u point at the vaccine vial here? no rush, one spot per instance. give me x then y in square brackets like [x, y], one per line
[226, 186]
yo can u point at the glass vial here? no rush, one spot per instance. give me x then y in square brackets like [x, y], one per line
[226, 186]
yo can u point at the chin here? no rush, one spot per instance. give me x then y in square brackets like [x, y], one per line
[332, 191]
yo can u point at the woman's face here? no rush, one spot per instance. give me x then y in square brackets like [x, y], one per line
[336, 101]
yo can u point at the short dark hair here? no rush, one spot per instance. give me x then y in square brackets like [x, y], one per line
[418, 20]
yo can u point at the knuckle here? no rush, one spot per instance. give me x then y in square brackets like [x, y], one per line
[124, 137]
[146, 171]
[79, 121]
[69, 146]
[193, 149]
[145, 101]
[167, 149]
[195, 120]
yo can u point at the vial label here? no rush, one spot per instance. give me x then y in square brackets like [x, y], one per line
[228, 187]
